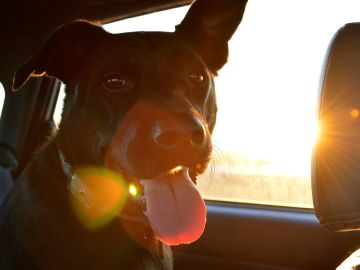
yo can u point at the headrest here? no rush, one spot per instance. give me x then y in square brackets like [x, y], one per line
[336, 159]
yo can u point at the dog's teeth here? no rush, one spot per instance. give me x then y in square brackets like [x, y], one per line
[141, 199]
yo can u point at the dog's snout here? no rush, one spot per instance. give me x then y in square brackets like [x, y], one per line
[171, 135]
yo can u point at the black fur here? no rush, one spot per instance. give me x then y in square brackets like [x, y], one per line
[38, 229]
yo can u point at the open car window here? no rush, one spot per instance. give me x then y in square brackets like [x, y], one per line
[267, 98]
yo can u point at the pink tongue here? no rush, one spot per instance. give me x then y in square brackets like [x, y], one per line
[175, 209]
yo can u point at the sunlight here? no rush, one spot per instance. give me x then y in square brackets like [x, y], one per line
[59, 105]
[266, 111]
[2, 97]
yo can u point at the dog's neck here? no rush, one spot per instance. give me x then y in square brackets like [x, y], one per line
[129, 214]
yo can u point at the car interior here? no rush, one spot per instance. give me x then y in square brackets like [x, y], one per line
[318, 231]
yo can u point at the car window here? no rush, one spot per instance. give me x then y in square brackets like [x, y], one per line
[267, 97]
[2, 97]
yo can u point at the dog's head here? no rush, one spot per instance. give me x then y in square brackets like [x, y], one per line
[143, 105]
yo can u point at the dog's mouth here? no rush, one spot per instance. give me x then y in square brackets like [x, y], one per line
[172, 206]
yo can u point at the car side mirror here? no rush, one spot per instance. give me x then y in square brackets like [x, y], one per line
[336, 159]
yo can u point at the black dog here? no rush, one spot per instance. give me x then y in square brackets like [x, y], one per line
[142, 107]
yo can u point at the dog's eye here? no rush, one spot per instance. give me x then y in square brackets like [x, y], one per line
[197, 78]
[117, 82]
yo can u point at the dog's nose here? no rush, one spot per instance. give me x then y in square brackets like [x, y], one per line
[197, 132]
[169, 135]
[166, 137]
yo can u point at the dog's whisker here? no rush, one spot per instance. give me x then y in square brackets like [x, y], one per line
[216, 155]
[212, 170]
[217, 151]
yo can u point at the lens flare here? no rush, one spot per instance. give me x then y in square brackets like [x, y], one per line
[133, 191]
[354, 113]
[98, 195]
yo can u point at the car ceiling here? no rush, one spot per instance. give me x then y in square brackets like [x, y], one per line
[24, 25]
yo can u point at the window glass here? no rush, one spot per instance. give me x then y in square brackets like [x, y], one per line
[2, 97]
[267, 97]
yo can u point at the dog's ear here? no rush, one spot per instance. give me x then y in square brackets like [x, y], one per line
[209, 24]
[63, 53]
